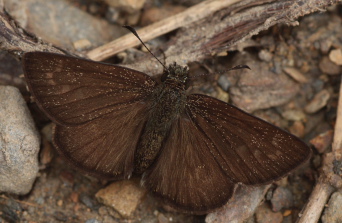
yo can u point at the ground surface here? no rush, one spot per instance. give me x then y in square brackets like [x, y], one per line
[61, 194]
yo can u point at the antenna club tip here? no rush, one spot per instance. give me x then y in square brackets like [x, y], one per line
[242, 66]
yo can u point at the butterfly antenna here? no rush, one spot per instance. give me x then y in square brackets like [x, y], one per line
[241, 66]
[136, 34]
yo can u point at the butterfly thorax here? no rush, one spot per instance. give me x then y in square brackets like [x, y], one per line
[167, 103]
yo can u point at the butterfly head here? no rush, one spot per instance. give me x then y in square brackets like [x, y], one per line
[176, 75]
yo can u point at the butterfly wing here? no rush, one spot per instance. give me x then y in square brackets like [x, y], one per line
[104, 147]
[248, 149]
[74, 91]
[186, 175]
[99, 109]
[215, 145]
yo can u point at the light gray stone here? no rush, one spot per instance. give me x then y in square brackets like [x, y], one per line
[332, 213]
[61, 23]
[240, 207]
[19, 143]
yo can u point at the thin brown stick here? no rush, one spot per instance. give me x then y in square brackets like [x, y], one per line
[316, 203]
[184, 18]
[337, 143]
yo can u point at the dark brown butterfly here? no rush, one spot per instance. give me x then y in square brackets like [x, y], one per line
[192, 150]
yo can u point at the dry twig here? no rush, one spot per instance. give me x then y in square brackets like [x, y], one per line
[193, 14]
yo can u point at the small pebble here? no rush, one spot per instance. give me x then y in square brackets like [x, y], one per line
[222, 95]
[46, 153]
[60, 203]
[265, 215]
[322, 141]
[128, 6]
[328, 67]
[287, 213]
[296, 74]
[336, 56]
[123, 196]
[74, 197]
[224, 82]
[103, 211]
[297, 129]
[318, 102]
[82, 44]
[325, 45]
[265, 55]
[282, 198]
[60, 216]
[87, 201]
[332, 212]
[293, 115]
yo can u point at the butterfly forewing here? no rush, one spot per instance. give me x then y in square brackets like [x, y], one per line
[99, 109]
[248, 149]
[73, 91]
[105, 146]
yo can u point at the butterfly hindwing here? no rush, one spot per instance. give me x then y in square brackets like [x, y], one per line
[74, 91]
[186, 175]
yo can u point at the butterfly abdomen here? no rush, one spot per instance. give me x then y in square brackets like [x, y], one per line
[167, 105]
